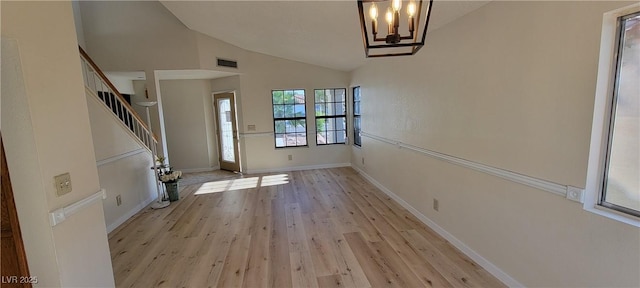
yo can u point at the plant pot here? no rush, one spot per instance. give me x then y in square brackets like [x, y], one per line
[172, 191]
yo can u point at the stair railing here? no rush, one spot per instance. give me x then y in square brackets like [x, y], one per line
[100, 87]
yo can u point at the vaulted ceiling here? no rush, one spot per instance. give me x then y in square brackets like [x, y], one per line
[323, 33]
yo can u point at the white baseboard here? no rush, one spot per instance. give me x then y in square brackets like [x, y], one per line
[195, 170]
[490, 267]
[129, 214]
[297, 168]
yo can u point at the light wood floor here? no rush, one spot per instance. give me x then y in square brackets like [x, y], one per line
[317, 228]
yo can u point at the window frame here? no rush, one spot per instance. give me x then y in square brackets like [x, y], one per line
[275, 119]
[611, 117]
[357, 138]
[603, 108]
[335, 116]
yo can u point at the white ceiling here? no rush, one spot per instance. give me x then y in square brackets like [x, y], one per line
[323, 33]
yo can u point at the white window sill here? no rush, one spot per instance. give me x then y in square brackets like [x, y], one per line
[614, 215]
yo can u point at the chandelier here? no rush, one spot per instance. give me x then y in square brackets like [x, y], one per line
[405, 33]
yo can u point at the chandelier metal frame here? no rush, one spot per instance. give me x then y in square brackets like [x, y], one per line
[394, 38]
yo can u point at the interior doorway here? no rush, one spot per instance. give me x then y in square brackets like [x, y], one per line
[227, 131]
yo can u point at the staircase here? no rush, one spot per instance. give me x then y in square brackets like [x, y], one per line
[99, 86]
[124, 147]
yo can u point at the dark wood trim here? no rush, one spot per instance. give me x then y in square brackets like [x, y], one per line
[14, 268]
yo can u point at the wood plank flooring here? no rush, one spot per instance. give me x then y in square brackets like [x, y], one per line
[315, 228]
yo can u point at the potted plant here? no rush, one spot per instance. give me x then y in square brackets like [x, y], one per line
[169, 178]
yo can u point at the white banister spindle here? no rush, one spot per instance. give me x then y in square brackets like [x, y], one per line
[91, 80]
[95, 81]
[87, 72]
[84, 72]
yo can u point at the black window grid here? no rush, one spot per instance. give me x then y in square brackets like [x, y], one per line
[293, 115]
[338, 135]
[357, 121]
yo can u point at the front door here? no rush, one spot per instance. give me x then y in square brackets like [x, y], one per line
[227, 131]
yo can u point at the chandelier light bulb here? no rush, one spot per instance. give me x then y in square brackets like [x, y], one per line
[411, 9]
[373, 12]
[396, 4]
[389, 16]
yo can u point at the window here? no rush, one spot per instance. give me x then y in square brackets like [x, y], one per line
[289, 118]
[621, 189]
[356, 117]
[331, 118]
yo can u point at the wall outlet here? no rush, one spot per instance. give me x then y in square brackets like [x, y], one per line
[118, 200]
[63, 183]
[436, 204]
[290, 157]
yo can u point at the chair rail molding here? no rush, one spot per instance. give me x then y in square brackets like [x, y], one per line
[59, 215]
[572, 193]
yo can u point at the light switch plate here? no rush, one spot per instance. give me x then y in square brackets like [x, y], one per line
[575, 194]
[63, 183]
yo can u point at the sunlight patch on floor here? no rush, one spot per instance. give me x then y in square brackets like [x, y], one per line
[242, 183]
[228, 185]
[273, 180]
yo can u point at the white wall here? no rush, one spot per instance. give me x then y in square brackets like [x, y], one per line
[188, 118]
[253, 95]
[253, 86]
[138, 36]
[139, 87]
[210, 49]
[145, 91]
[140, 33]
[123, 165]
[123, 84]
[256, 85]
[77, 16]
[512, 86]
[42, 139]
[38, 240]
